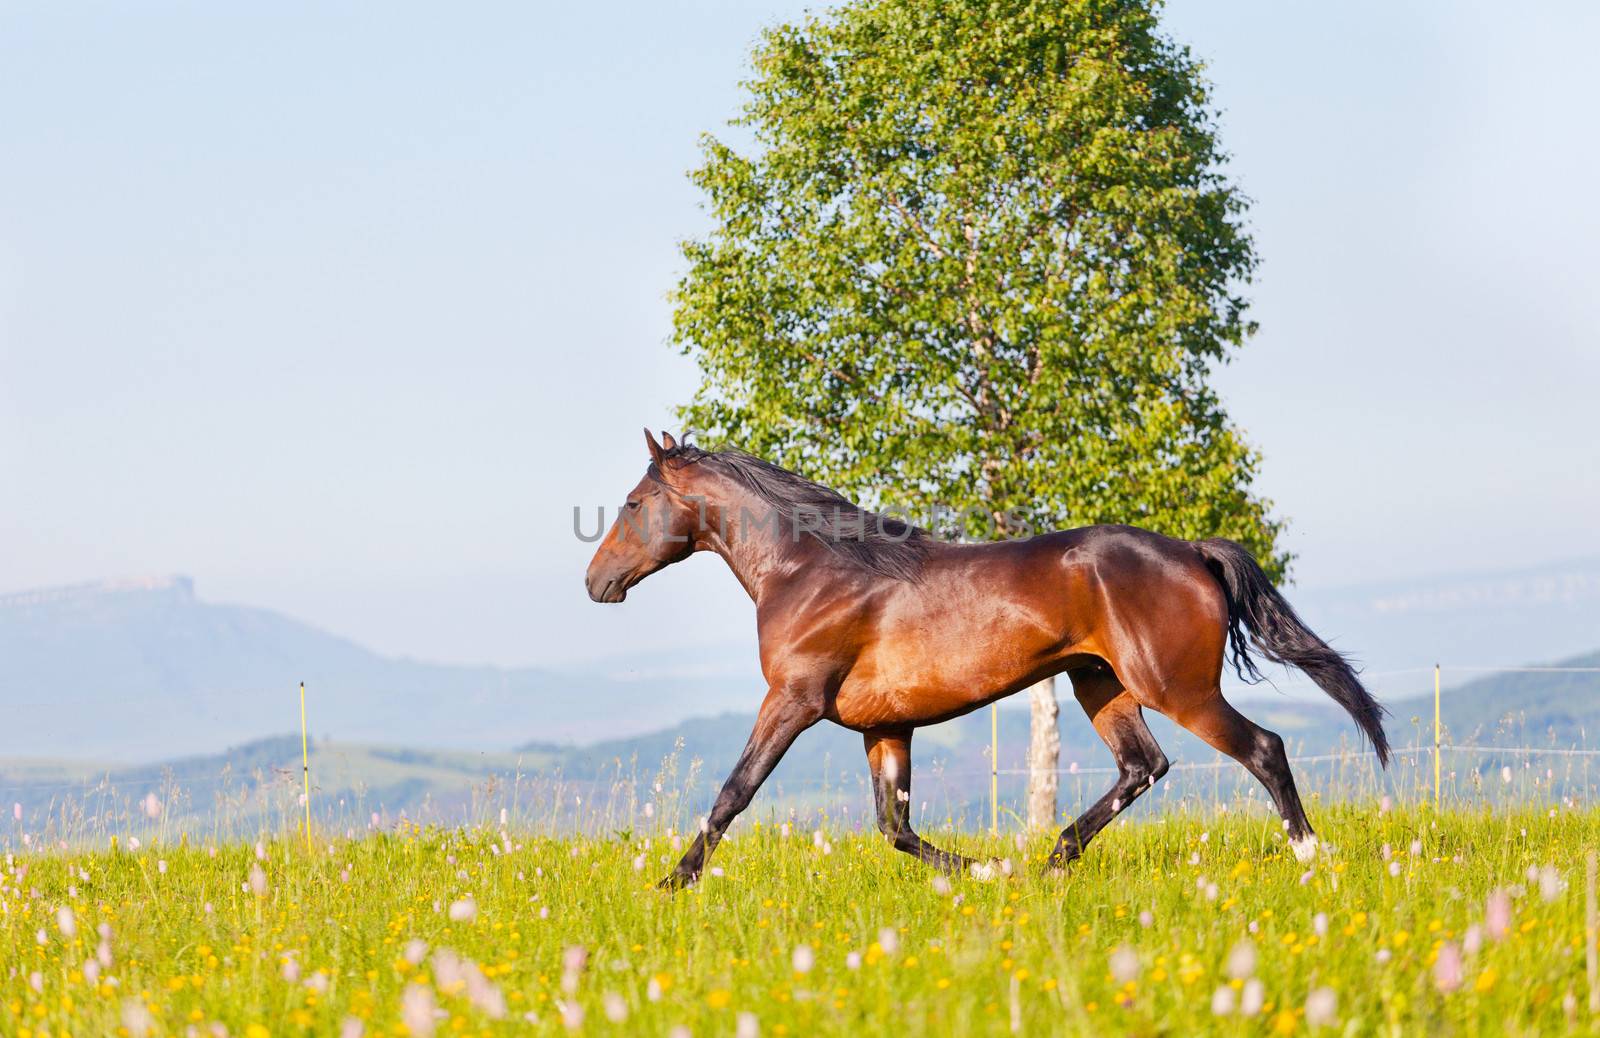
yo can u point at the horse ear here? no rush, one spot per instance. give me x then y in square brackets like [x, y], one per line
[655, 448]
[667, 441]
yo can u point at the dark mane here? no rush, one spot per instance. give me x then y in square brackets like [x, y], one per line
[880, 543]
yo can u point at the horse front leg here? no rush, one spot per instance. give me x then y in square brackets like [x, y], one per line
[785, 713]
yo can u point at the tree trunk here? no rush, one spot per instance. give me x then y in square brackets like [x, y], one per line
[1044, 755]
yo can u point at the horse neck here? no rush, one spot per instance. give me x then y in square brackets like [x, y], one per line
[746, 531]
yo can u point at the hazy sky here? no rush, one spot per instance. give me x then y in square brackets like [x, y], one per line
[341, 308]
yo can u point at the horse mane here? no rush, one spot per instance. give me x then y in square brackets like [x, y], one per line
[878, 543]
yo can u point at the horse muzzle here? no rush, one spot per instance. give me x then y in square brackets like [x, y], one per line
[607, 589]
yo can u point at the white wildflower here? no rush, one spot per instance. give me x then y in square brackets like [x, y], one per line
[1252, 997]
[1322, 1007]
[416, 1010]
[1241, 960]
[803, 958]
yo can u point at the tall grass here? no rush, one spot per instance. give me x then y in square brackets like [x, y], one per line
[1471, 921]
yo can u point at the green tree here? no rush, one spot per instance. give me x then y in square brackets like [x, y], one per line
[982, 255]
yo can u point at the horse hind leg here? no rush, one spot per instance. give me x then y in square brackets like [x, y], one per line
[1119, 720]
[889, 756]
[1262, 753]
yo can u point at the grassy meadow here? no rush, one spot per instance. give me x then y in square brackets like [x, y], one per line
[1465, 923]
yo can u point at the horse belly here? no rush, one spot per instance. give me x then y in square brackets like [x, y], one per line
[906, 686]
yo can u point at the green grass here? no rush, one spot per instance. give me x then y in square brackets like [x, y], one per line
[192, 945]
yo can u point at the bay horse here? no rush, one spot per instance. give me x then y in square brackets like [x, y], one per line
[878, 626]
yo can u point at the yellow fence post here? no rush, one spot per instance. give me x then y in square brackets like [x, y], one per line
[305, 764]
[994, 768]
[1436, 727]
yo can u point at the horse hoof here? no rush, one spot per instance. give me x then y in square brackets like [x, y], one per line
[1304, 848]
[994, 868]
[676, 881]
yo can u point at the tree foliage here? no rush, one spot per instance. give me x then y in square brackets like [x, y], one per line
[979, 254]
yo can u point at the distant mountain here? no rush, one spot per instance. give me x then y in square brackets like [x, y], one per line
[143, 670]
[138, 671]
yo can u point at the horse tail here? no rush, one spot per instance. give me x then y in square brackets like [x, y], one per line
[1254, 605]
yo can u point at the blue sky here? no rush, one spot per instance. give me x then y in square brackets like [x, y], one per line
[341, 311]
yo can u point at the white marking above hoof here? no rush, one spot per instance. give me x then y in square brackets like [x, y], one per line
[1305, 848]
[982, 870]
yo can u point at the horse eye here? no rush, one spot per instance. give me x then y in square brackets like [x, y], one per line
[633, 505]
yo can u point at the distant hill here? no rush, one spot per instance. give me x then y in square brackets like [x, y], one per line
[140, 671]
[259, 785]
[600, 787]
[1534, 707]
[603, 785]
[144, 670]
